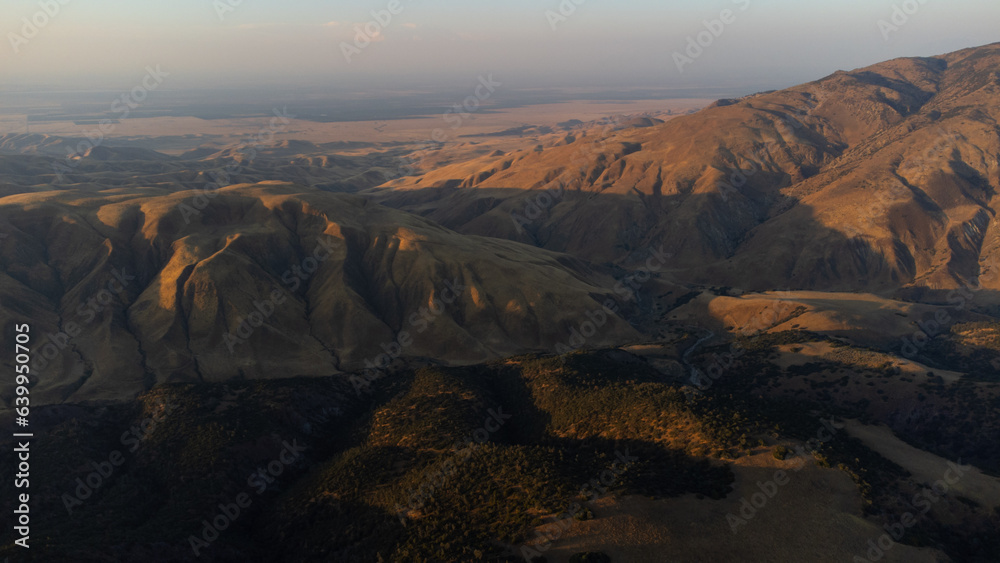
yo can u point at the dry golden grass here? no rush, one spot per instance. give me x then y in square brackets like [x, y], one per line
[812, 518]
[925, 466]
[807, 352]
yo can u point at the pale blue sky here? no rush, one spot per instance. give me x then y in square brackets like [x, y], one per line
[97, 43]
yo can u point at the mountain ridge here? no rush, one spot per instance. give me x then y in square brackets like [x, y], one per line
[784, 148]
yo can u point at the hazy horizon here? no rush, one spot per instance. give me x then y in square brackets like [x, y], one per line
[209, 44]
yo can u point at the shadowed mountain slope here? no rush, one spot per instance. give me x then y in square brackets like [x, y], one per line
[877, 179]
[128, 289]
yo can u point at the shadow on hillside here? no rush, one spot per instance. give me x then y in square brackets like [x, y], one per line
[728, 239]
